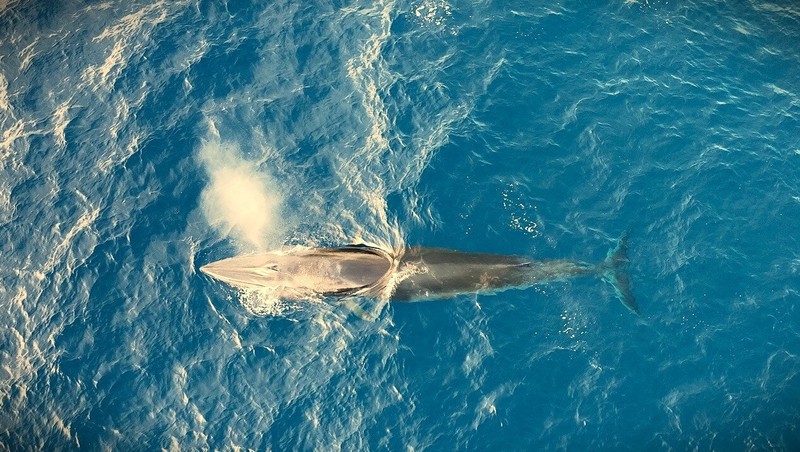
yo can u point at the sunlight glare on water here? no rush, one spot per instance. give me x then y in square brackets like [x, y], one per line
[140, 141]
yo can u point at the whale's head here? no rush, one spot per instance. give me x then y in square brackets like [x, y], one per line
[253, 271]
[303, 270]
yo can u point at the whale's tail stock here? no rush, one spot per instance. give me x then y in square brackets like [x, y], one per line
[614, 270]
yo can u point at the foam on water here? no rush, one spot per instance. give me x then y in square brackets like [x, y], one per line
[139, 141]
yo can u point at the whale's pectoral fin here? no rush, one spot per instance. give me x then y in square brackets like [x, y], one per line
[356, 306]
[615, 272]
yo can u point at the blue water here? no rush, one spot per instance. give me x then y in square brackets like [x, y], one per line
[140, 140]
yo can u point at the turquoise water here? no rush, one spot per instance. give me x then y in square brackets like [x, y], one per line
[141, 140]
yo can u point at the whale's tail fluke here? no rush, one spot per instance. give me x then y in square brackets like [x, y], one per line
[614, 270]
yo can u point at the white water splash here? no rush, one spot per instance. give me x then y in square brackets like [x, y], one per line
[263, 303]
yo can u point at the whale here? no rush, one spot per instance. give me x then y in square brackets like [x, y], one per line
[411, 275]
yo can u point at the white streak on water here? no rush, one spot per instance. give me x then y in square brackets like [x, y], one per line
[5, 103]
[130, 37]
[14, 147]
[61, 250]
[366, 170]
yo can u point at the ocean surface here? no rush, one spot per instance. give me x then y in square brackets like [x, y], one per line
[140, 140]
